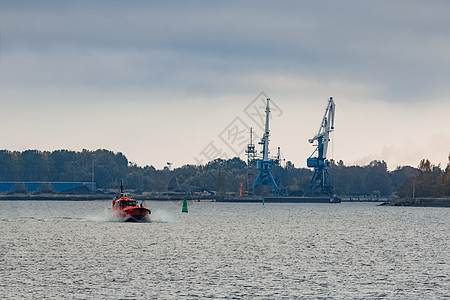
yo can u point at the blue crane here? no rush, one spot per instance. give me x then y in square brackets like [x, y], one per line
[321, 182]
[265, 177]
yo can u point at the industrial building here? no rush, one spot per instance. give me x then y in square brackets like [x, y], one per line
[39, 186]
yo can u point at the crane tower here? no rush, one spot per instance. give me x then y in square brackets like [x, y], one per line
[264, 165]
[251, 152]
[321, 182]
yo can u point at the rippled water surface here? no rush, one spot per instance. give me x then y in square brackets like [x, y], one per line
[219, 250]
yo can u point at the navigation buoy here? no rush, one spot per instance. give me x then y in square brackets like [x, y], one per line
[184, 205]
[263, 201]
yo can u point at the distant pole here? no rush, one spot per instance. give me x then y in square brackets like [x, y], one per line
[73, 164]
[92, 179]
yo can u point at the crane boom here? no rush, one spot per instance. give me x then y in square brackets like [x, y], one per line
[326, 127]
[265, 139]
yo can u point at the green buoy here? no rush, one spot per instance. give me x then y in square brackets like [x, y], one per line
[184, 205]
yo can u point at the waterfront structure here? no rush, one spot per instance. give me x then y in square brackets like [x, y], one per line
[321, 182]
[43, 186]
[265, 176]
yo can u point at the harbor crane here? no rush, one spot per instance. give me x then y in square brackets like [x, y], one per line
[321, 182]
[265, 177]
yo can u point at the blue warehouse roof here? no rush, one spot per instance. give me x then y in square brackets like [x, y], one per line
[34, 186]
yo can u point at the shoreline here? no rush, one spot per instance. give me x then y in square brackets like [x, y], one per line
[421, 202]
[413, 202]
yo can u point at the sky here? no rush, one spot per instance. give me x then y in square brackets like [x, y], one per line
[182, 82]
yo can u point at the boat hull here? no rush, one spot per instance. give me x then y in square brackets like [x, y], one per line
[137, 218]
[140, 214]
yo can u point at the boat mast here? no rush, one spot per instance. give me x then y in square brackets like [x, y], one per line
[121, 188]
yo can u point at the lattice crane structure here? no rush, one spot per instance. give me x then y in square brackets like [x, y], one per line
[321, 182]
[265, 176]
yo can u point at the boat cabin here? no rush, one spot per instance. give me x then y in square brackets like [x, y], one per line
[124, 202]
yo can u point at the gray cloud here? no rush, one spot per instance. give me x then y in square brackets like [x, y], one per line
[400, 48]
[377, 58]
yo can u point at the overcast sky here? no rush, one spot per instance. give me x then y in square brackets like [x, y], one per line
[182, 82]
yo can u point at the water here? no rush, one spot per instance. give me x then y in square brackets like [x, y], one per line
[76, 250]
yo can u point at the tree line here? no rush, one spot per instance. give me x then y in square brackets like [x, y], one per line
[63, 165]
[431, 181]
[221, 176]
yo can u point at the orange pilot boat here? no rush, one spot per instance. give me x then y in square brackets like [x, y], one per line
[128, 209]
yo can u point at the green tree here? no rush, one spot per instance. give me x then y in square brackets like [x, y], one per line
[8, 166]
[446, 180]
[428, 183]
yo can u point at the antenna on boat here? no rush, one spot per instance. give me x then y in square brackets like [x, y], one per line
[121, 187]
